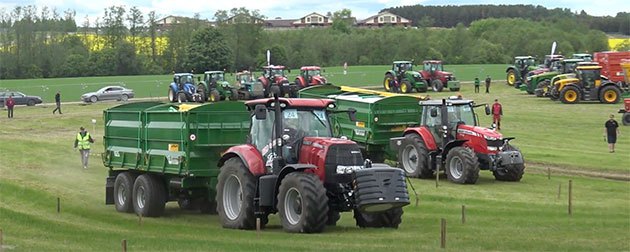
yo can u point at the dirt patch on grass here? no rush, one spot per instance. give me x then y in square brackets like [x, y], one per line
[558, 169]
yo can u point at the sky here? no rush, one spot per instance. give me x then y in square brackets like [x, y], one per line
[289, 9]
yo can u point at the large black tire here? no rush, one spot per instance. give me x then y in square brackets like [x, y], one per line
[387, 82]
[405, 86]
[149, 196]
[570, 95]
[425, 86]
[233, 94]
[511, 77]
[333, 217]
[236, 189]
[609, 94]
[123, 192]
[302, 203]
[413, 157]
[462, 166]
[181, 97]
[437, 85]
[202, 92]
[626, 118]
[214, 96]
[388, 219]
[541, 87]
[513, 172]
[171, 95]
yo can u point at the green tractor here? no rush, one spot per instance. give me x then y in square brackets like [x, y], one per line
[517, 72]
[214, 87]
[537, 83]
[585, 56]
[403, 79]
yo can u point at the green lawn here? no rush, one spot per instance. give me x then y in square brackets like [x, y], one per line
[38, 164]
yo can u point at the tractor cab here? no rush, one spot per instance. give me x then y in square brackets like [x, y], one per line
[183, 78]
[549, 59]
[589, 76]
[523, 62]
[456, 112]
[433, 65]
[272, 72]
[310, 72]
[309, 75]
[244, 77]
[584, 56]
[212, 78]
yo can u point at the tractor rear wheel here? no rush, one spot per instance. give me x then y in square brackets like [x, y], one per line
[214, 96]
[123, 192]
[388, 219]
[302, 203]
[626, 118]
[570, 95]
[405, 86]
[236, 189]
[202, 92]
[413, 157]
[511, 77]
[437, 85]
[541, 88]
[149, 196]
[609, 95]
[171, 95]
[181, 97]
[233, 94]
[462, 166]
[387, 82]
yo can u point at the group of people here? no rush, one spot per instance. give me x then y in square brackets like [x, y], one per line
[477, 83]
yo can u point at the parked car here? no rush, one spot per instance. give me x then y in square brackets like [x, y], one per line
[108, 93]
[19, 98]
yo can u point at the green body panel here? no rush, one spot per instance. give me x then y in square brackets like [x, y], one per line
[378, 118]
[536, 79]
[157, 138]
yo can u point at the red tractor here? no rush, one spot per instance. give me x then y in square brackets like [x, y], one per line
[433, 72]
[292, 165]
[309, 76]
[448, 139]
[625, 118]
[275, 76]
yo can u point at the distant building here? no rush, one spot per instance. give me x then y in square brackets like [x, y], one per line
[167, 22]
[383, 19]
[313, 20]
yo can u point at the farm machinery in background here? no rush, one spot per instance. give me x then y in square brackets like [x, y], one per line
[183, 89]
[625, 118]
[248, 87]
[215, 87]
[423, 136]
[309, 76]
[433, 72]
[275, 76]
[537, 84]
[518, 72]
[403, 79]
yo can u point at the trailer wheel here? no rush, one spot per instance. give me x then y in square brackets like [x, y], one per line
[123, 192]
[462, 166]
[236, 189]
[609, 95]
[149, 196]
[413, 157]
[437, 85]
[387, 82]
[302, 203]
[570, 95]
[626, 118]
[388, 219]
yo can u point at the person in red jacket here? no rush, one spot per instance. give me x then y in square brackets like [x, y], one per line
[10, 103]
[497, 112]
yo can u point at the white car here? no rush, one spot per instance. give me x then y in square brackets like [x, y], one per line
[108, 93]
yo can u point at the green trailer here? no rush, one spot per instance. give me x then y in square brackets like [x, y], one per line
[168, 152]
[379, 116]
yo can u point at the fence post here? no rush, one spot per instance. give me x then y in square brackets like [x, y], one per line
[437, 175]
[1, 244]
[570, 196]
[58, 205]
[463, 214]
[443, 233]
[124, 245]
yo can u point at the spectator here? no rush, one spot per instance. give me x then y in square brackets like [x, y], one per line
[497, 112]
[611, 132]
[488, 84]
[476, 84]
[345, 68]
[10, 103]
[58, 102]
[82, 141]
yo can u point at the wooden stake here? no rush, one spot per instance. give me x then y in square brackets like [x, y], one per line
[570, 196]
[258, 225]
[58, 205]
[140, 219]
[437, 175]
[1, 246]
[443, 233]
[463, 214]
[559, 189]
[124, 245]
[548, 173]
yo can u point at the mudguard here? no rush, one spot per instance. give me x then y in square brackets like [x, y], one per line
[426, 136]
[250, 156]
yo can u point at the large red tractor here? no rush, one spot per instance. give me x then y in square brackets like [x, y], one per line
[433, 72]
[293, 166]
[275, 76]
[448, 138]
[309, 76]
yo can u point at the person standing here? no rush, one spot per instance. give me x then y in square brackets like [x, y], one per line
[10, 103]
[611, 132]
[345, 68]
[477, 84]
[82, 142]
[58, 102]
[497, 112]
[488, 84]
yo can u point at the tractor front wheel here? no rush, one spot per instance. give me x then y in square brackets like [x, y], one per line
[387, 82]
[570, 95]
[214, 96]
[171, 95]
[413, 157]
[181, 97]
[233, 94]
[388, 219]
[405, 86]
[236, 189]
[302, 203]
[609, 95]
[437, 85]
[511, 77]
[462, 166]
[202, 92]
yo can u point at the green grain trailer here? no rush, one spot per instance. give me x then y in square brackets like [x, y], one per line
[168, 152]
[379, 116]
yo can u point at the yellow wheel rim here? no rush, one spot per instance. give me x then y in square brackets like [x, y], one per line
[403, 88]
[212, 98]
[511, 79]
[570, 96]
[610, 96]
[386, 84]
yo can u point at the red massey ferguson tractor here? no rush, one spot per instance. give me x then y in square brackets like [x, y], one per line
[294, 167]
[275, 76]
[438, 79]
[309, 76]
[449, 140]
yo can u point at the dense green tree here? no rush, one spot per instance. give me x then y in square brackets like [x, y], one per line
[207, 51]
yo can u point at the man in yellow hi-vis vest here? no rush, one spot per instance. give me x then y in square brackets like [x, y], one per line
[82, 141]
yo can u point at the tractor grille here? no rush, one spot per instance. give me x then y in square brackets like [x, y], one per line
[495, 143]
[417, 79]
[341, 155]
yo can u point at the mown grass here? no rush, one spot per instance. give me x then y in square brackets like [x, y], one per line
[38, 164]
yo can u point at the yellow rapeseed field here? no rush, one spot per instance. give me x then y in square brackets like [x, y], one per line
[614, 42]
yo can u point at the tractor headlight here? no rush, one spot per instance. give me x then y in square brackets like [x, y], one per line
[376, 119]
[492, 148]
[529, 78]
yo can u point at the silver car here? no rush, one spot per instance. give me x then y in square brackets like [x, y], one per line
[108, 93]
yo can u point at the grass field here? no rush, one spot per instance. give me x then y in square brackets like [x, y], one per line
[38, 165]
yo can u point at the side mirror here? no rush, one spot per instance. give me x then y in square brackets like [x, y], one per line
[434, 112]
[487, 109]
[352, 114]
[260, 111]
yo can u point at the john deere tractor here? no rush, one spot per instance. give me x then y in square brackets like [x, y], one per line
[587, 85]
[216, 88]
[517, 72]
[402, 79]
[536, 83]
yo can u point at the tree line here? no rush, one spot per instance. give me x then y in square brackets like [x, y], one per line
[45, 44]
[449, 15]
